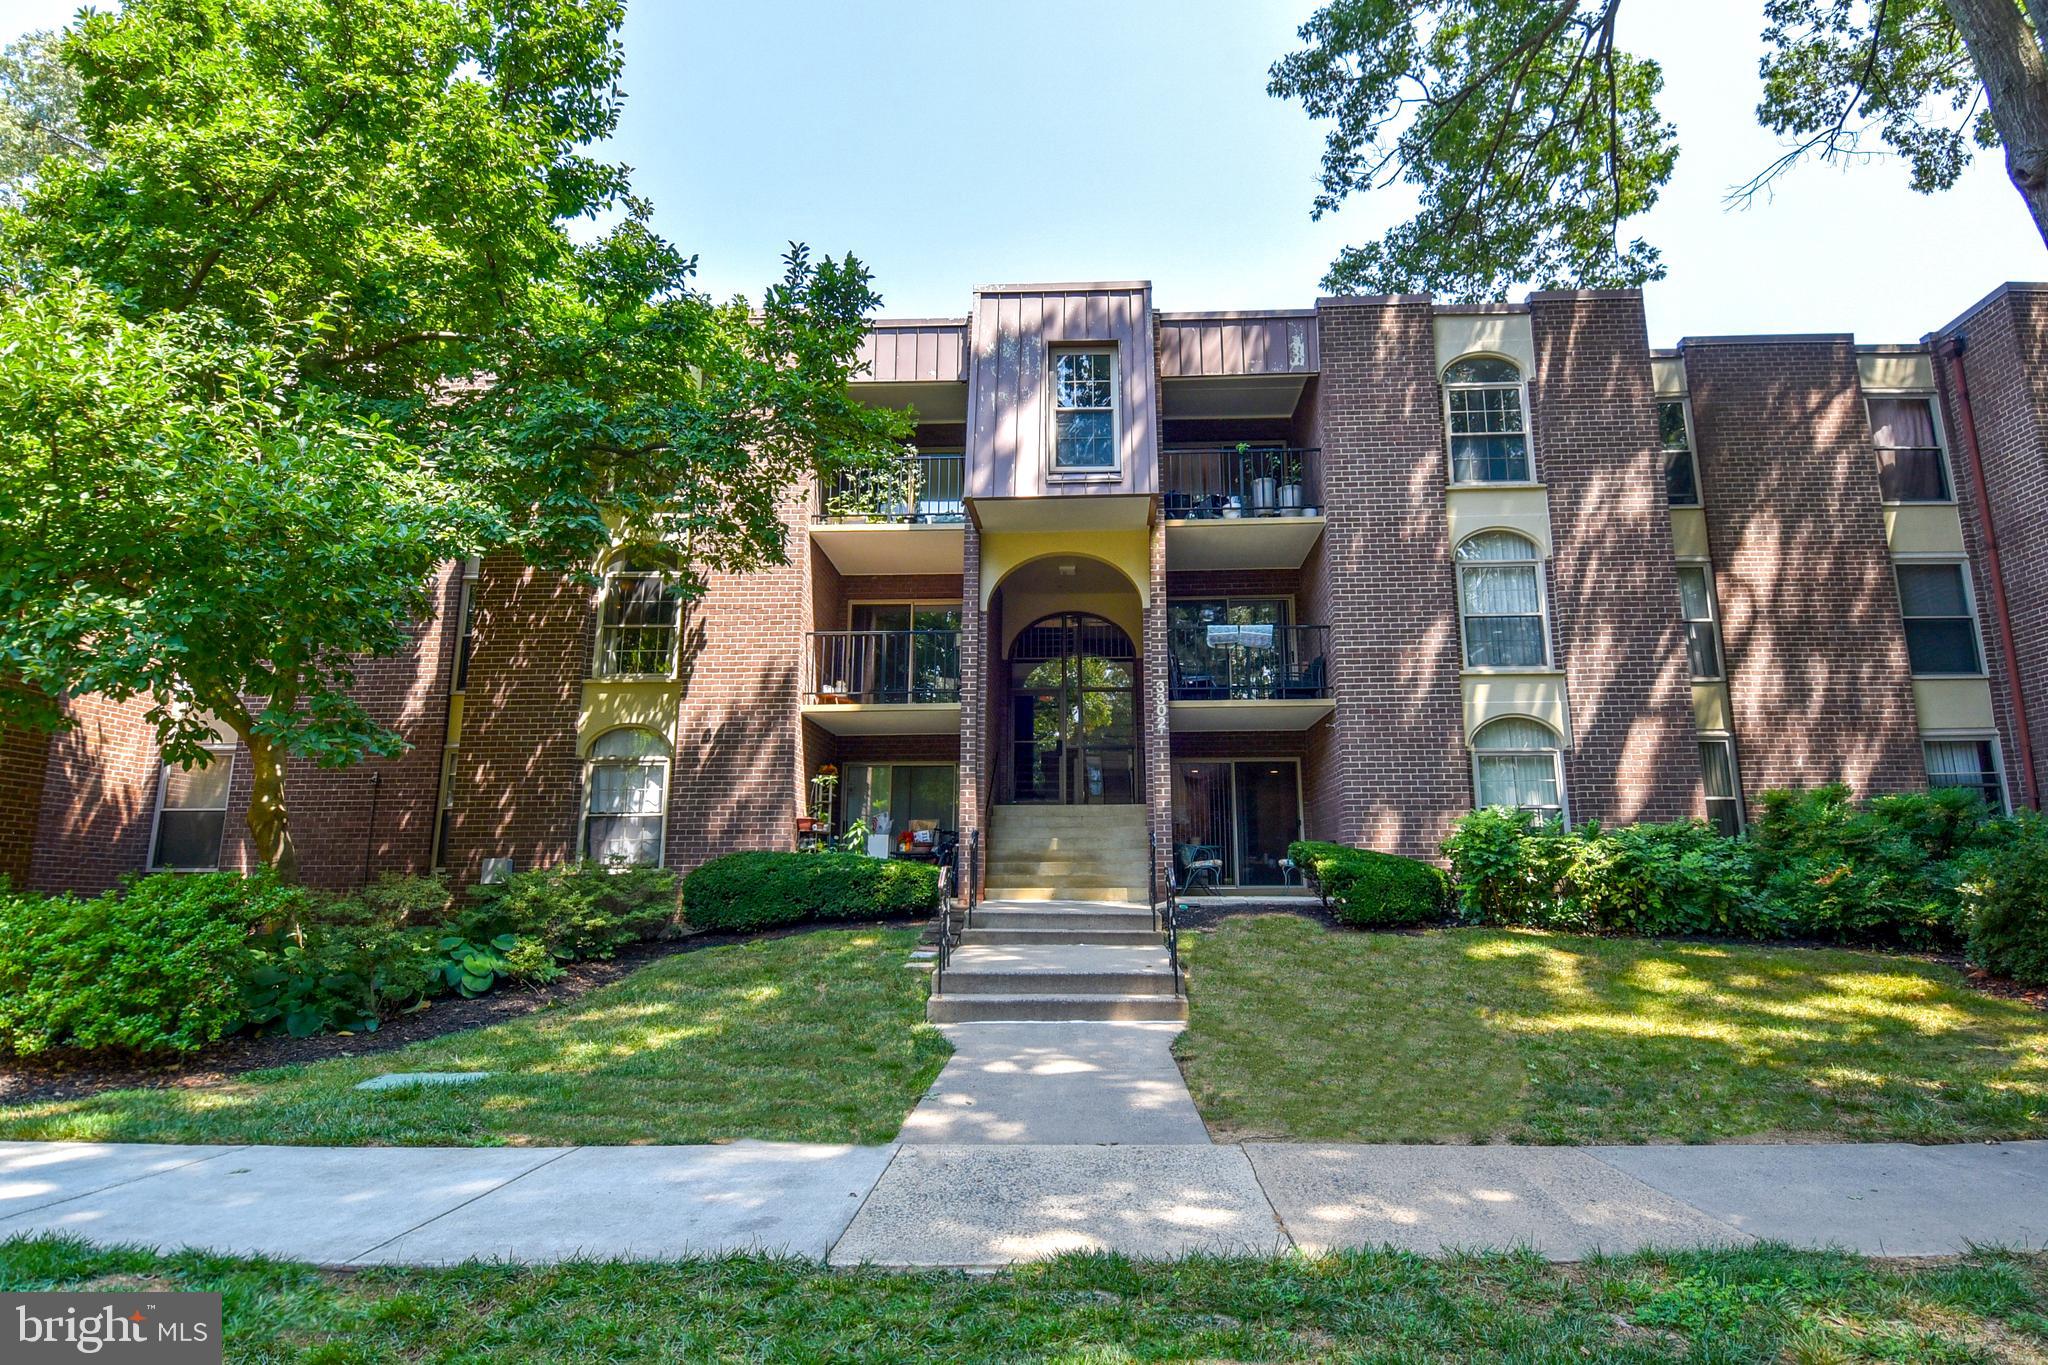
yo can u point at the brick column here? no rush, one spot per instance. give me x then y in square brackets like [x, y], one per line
[1156, 740]
[977, 650]
[1616, 620]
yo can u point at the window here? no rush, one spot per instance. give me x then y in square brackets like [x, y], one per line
[447, 811]
[1515, 763]
[465, 625]
[1500, 592]
[1910, 467]
[1968, 763]
[1724, 793]
[1489, 439]
[1941, 635]
[895, 801]
[192, 812]
[626, 795]
[1696, 601]
[637, 632]
[1681, 472]
[1084, 411]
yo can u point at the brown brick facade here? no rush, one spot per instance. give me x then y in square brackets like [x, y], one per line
[1810, 626]
[1616, 624]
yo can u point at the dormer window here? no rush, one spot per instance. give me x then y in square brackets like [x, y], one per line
[1084, 411]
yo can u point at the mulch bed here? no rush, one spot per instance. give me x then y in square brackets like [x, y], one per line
[74, 1076]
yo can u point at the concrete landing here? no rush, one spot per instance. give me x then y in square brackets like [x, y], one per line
[1059, 1083]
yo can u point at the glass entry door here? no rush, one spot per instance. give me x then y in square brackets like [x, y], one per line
[1242, 814]
[1073, 713]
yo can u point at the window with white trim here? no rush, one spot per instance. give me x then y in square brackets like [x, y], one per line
[1971, 764]
[192, 812]
[1500, 598]
[1911, 466]
[1084, 411]
[1724, 790]
[625, 798]
[1941, 630]
[639, 623]
[1483, 412]
[1702, 635]
[1516, 763]
[1681, 470]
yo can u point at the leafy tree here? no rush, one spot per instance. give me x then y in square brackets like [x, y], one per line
[1532, 138]
[313, 321]
[38, 108]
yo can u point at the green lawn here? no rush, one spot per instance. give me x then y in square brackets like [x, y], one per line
[1749, 1305]
[1298, 1031]
[814, 1037]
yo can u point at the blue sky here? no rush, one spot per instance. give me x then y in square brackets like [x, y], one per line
[954, 144]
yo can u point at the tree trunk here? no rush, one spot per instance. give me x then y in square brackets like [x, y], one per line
[269, 825]
[2010, 61]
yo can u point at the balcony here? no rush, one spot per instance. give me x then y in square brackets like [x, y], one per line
[908, 519]
[1248, 677]
[883, 682]
[1241, 506]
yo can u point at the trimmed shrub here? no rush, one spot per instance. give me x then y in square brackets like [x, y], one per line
[1374, 890]
[155, 966]
[578, 910]
[760, 890]
[1509, 868]
[1682, 878]
[2006, 894]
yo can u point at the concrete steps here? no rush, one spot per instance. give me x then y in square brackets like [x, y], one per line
[968, 1009]
[1042, 853]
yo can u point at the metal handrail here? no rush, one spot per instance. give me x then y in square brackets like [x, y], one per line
[1169, 921]
[945, 957]
[1198, 483]
[882, 666]
[926, 489]
[1204, 667]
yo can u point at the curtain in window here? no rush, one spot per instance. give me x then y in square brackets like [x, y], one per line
[1503, 601]
[1517, 766]
[1902, 422]
[1909, 464]
[628, 790]
[1965, 763]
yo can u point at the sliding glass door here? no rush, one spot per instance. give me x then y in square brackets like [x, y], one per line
[1241, 814]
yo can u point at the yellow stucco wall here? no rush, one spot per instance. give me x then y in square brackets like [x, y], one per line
[1689, 533]
[1505, 334]
[1914, 370]
[455, 719]
[1020, 609]
[1668, 372]
[1512, 509]
[1711, 711]
[1924, 529]
[1489, 696]
[1127, 551]
[1953, 704]
[643, 705]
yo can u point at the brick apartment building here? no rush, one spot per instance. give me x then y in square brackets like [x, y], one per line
[1232, 578]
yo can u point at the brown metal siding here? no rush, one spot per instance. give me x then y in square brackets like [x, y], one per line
[1205, 345]
[922, 352]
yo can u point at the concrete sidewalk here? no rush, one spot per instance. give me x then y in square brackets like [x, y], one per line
[1080, 1082]
[993, 1203]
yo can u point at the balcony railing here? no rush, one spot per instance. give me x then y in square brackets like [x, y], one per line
[1250, 663]
[922, 490]
[1229, 482]
[883, 666]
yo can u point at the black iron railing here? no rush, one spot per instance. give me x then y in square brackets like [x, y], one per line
[1249, 663]
[948, 874]
[1229, 482]
[873, 666]
[922, 489]
[1169, 920]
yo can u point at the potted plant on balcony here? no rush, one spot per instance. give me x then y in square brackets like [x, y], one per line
[1291, 503]
[819, 821]
[1259, 472]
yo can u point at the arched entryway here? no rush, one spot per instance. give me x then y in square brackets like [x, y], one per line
[1073, 710]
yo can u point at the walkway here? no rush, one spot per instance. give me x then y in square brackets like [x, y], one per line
[991, 1203]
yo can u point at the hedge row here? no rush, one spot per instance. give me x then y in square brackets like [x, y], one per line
[1374, 890]
[172, 962]
[762, 890]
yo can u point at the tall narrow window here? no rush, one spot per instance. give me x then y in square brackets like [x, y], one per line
[192, 812]
[1971, 764]
[1702, 640]
[1941, 636]
[1724, 793]
[637, 632]
[1910, 466]
[1515, 764]
[447, 810]
[465, 624]
[1681, 472]
[1084, 411]
[627, 792]
[1500, 591]
[1483, 405]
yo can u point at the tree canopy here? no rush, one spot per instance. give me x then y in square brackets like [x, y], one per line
[310, 319]
[1533, 139]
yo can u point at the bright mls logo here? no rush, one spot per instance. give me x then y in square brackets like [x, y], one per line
[164, 1329]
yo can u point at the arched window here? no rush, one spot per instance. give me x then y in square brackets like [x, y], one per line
[1483, 410]
[638, 626]
[1500, 596]
[625, 795]
[1515, 764]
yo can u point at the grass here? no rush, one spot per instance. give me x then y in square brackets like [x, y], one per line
[1754, 1304]
[814, 1037]
[1298, 1031]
